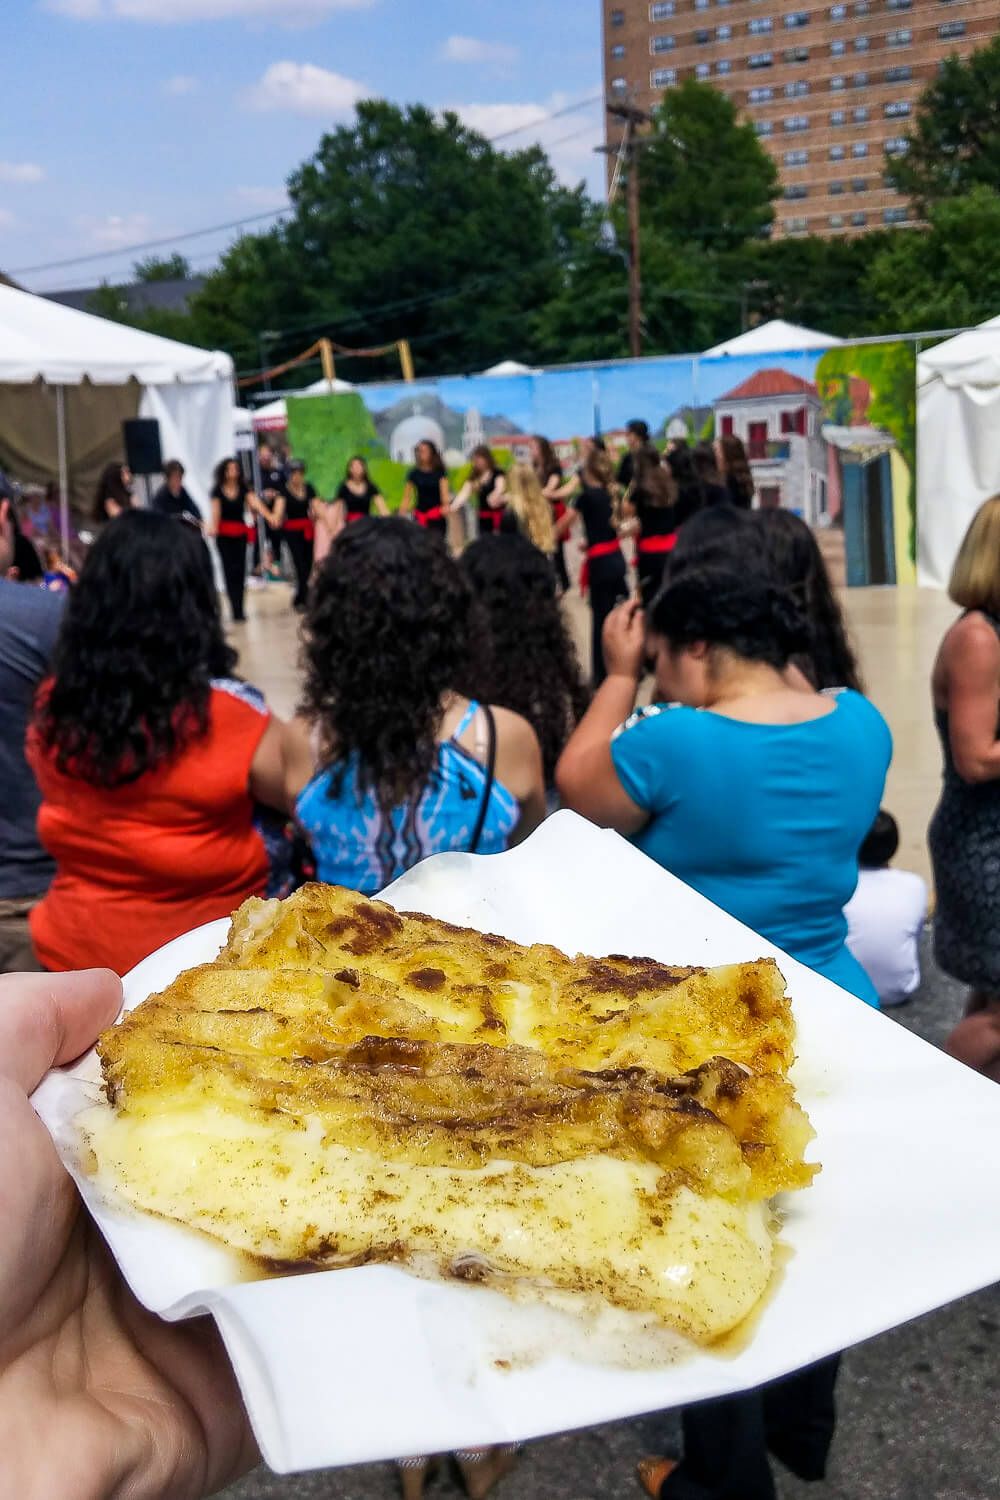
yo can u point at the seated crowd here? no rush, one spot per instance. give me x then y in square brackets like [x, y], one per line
[443, 708]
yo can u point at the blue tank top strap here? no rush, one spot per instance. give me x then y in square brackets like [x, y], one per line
[467, 719]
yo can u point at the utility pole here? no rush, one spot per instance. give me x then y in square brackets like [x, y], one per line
[628, 157]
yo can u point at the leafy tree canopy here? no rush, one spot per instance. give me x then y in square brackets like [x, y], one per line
[162, 268]
[955, 142]
[946, 276]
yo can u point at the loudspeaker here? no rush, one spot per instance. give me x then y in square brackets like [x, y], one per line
[142, 445]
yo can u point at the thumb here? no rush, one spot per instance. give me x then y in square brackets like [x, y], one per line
[50, 1019]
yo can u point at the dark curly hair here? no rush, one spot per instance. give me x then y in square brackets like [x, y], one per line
[795, 561]
[526, 660]
[739, 609]
[140, 643]
[387, 634]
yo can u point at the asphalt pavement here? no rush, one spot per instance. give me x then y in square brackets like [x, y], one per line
[918, 1406]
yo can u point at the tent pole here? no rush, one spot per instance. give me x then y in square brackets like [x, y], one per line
[63, 470]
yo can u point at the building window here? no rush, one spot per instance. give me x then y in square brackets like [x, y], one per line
[901, 38]
[619, 50]
[838, 12]
[703, 71]
[703, 38]
[836, 221]
[701, 4]
[838, 117]
[862, 44]
[897, 108]
[663, 78]
[895, 215]
[793, 423]
[796, 190]
[836, 188]
[796, 18]
[796, 54]
[796, 158]
[860, 114]
[760, 60]
[899, 4]
[661, 44]
[795, 226]
[896, 145]
[838, 48]
[949, 29]
[724, 65]
[661, 9]
[758, 25]
[859, 184]
[761, 95]
[862, 7]
[837, 153]
[617, 18]
[859, 220]
[838, 82]
[859, 148]
[723, 33]
[619, 85]
[797, 89]
[900, 73]
[764, 127]
[859, 81]
[793, 123]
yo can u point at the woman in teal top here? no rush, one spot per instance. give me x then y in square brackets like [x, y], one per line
[744, 782]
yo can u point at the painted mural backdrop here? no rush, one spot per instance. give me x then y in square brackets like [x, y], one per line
[830, 434]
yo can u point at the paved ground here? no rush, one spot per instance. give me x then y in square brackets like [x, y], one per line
[918, 1406]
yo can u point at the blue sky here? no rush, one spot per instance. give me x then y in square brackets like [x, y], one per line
[131, 120]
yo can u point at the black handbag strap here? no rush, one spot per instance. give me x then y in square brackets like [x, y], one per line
[491, 765]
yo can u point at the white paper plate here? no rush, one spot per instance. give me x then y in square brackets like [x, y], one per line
[348, 1366]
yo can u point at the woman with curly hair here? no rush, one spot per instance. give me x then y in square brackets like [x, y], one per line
[148, 753]
[391, 763]
[794, 558]
[515, 587]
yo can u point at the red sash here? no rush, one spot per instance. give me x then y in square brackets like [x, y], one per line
[648, 544]
[425, 517]
[558, 509]
[237, 529]
[492, 518]
[357, 515]
[599, 549]
[303, 525]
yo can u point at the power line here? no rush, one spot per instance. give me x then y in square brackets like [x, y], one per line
[274, 213]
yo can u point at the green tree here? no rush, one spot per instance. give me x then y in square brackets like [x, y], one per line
[945, 276]
[162, 268]
[955, 141]
[818, 282]
[404, 224]
[706, 179]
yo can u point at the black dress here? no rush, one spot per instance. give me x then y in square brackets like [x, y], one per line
[658, 534]
[272, 484]
[964, 839]
[429, 510]
[166, 503]
[357, 505]
[558, 511]
[490, 517]
[232, 544]
[607, 575]
[298, 533]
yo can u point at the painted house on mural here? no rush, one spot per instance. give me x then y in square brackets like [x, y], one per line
[779, 417]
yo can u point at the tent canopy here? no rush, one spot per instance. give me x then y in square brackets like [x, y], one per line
[44, 340]
[510, 367]
[775, 337]
[971, 358]
[274, 416]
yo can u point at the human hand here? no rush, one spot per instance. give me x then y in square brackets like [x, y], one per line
[98, 1397]
[624, 641]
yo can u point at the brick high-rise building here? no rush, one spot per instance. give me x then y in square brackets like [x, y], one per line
[830, 88]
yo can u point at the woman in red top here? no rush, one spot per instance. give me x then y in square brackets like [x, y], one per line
[149, 755]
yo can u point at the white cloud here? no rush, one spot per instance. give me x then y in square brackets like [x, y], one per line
[181, 83]
[263, 198]
[500, 119]
[305, 89]
[293, 12]
[20, 171]
[470, 49]
[569, 139]
[117, 231]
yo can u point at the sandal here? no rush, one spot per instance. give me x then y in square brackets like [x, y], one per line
[653, 1472]
[482, 1468]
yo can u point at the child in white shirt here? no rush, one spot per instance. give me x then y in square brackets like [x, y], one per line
[885, 916]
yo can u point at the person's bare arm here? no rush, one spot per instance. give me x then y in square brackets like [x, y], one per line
[381, 505]
[300, 760]
[972, 664]
[408, 500]
[444, 493]
[519, 769]
[267, 769]
[565, 524]
[585, 776]
[498, 494]
[216, 516]
[555, 491]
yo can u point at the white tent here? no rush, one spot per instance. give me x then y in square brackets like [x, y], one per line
[52, 356]
[958, 443]
[274, 416]
[775, 337]
[510, 367]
